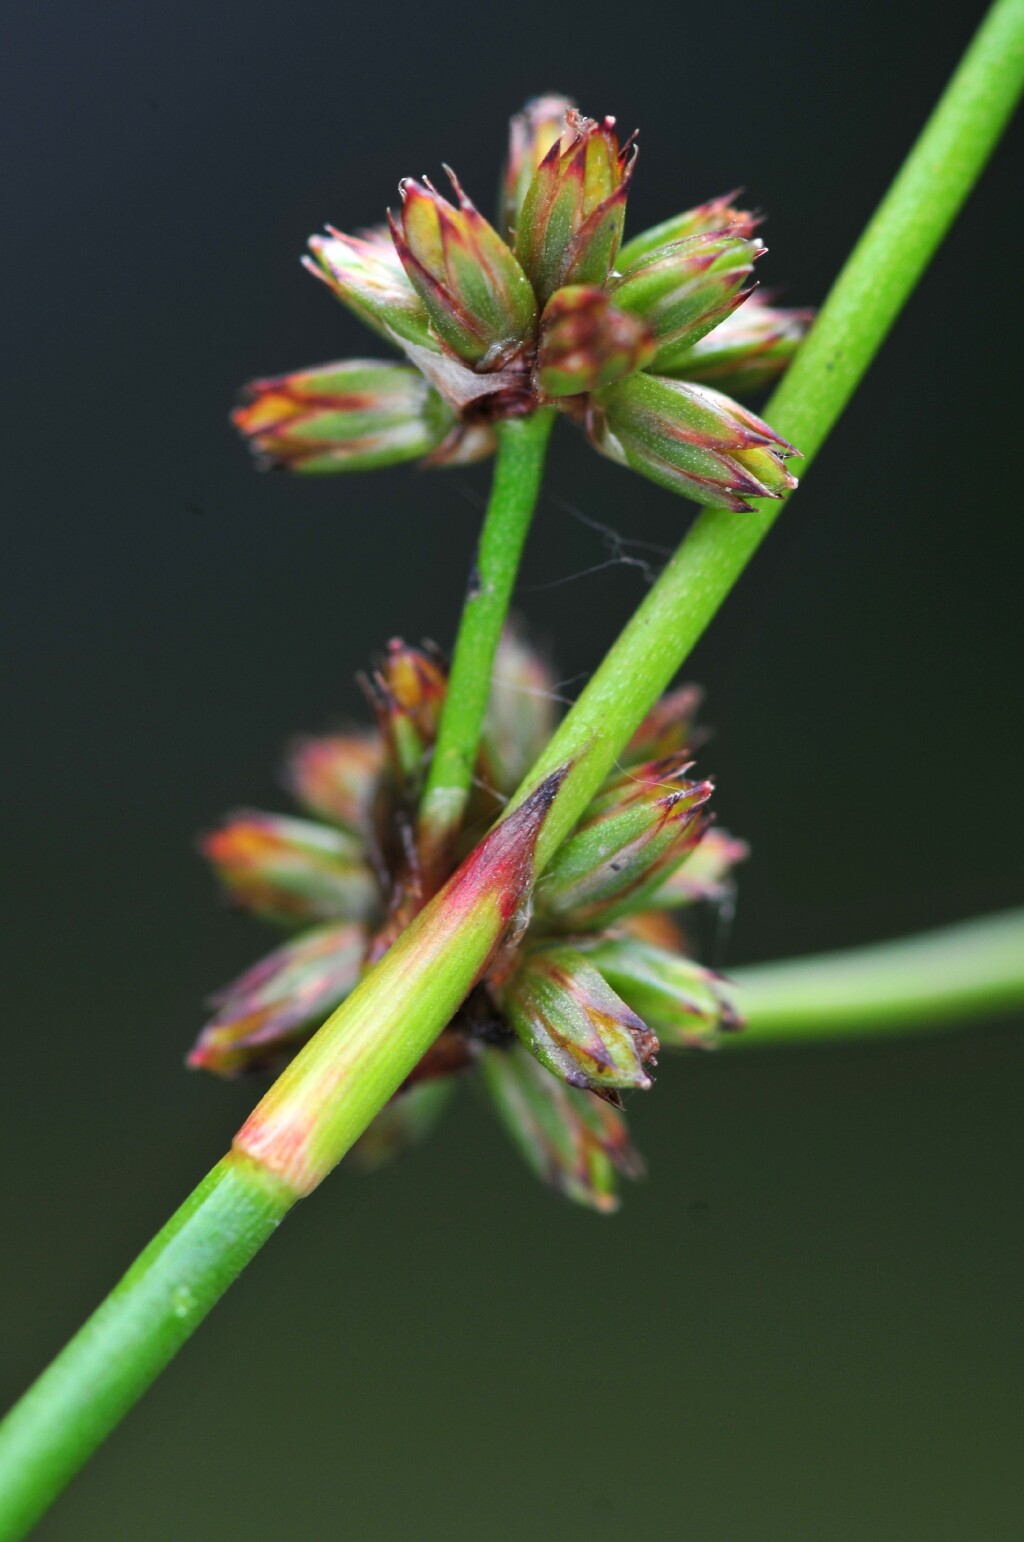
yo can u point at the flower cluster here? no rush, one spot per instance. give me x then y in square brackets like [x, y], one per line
[631, 341]
[571, 1010]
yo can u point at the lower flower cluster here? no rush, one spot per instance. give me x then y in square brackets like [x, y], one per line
[573, 1009]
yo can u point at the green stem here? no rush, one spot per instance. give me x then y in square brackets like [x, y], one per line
[141, 1325]
[954, 975]
[865, 300]
[522, 443]
[393, 1016]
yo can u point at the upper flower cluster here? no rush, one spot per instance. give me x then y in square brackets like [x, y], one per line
[555, 311]
[573, 1005]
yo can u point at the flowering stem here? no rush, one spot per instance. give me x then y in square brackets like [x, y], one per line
[332, 1089]
[522, 443]
[953, 975]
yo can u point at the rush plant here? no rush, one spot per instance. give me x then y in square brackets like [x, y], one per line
[478, 889]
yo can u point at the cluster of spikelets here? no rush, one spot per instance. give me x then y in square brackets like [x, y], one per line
[571, 1010]
[630, 340]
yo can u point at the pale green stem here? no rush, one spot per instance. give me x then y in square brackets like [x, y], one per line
[521, 446]
[955, 975]
[51, 1432]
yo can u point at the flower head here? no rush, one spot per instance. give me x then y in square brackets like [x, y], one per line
[478, 298]
[351, 416]
[550, 310]
[570, 225]
[573, 1005]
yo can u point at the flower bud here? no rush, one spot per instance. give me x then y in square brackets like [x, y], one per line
[655, 926]
[683, 290]
[572, 1140]
[573, 212]
[587, 342]
[717, 214]
[278, 1003]
[687, 1004]
[473, 289]
[750, 349]
[335, 777]
[633, 834]
[570, 1018]
[532, 132]
[404, 1122]
[706, 873]
[352, 416]
[692, 440]
[668, 729]
[291, 870]
[520, 711]
[365, 273]
[406, 692]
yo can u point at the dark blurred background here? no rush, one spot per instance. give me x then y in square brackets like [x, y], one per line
[806, 1325]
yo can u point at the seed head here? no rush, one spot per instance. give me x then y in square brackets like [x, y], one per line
[585, 972]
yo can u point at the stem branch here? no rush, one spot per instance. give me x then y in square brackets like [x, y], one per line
[954, 975]
[521, 447]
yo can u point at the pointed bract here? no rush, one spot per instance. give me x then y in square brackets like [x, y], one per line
[685, 289]
[276, 1005]
[571, 221]
[692, 440]
[716, 214]
[532, 132]
[686, 1004]
[499, 871]
[352, 416]
[571, 1139]
[633, 834]
[587, 342]
[476, 295]
[567, 1015]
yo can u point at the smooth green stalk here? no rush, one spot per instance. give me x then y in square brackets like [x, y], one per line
[522, 443]
[955, 975]
[141, 1325]
[124, 1346]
